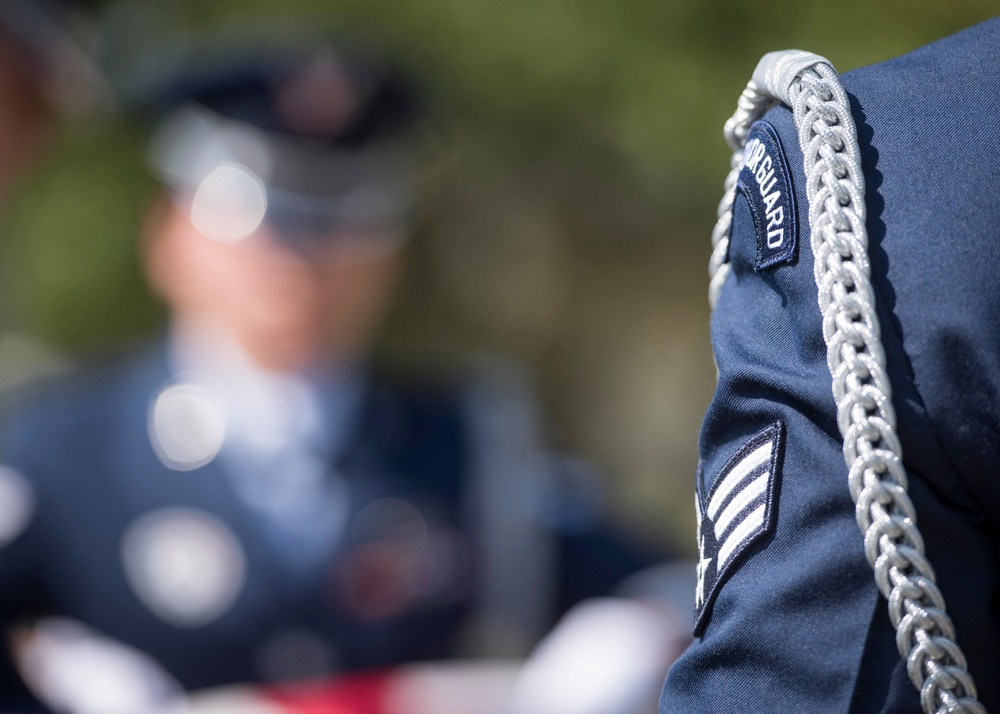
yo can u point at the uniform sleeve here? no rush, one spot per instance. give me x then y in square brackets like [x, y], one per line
[785, 599]
[788, 616]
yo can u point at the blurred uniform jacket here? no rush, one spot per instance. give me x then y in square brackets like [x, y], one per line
[790, 617]
[125, 527]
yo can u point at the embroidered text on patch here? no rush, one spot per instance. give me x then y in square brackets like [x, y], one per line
[736, 513]
[767, 184]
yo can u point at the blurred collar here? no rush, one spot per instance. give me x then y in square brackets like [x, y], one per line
[265, 410]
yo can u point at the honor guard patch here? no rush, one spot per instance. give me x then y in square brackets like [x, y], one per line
[738, 511]
[767, 184]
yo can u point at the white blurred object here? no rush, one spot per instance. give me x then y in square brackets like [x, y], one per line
[606, 656]
[481, 687]
[185, 565]
[75, 670]
[187, 426]
[454, 688]
[229, 204]
[17, 504]
[230, 700]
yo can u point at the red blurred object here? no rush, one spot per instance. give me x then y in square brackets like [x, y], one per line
[361, 694]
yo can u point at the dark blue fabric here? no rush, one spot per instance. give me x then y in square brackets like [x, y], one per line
[84, 445]
[800, 625]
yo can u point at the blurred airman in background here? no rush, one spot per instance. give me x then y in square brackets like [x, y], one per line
[249, 499]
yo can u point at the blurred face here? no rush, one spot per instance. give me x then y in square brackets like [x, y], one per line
[289, 310]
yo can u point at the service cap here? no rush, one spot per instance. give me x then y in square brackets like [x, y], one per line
[314, 139]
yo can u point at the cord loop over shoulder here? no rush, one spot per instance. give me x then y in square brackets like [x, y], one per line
[835, 188]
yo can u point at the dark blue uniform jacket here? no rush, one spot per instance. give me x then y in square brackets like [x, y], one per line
[795, 623]
[84, 446]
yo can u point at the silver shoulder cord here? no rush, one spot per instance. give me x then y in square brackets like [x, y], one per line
[877, 479]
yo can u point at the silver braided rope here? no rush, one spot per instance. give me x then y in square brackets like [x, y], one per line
[751, 106]
[877, 480]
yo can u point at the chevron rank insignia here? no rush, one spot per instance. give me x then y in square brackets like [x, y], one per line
[737, 512]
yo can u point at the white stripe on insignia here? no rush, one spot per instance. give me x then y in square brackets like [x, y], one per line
[743, 498]
[741, 534]
[755, 458]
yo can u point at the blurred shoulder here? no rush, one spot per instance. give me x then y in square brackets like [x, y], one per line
[71, 405]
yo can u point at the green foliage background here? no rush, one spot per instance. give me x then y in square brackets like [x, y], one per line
[570, 220]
